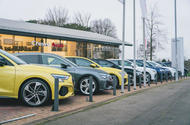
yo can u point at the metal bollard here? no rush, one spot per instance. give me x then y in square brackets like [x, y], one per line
[167, 77]
[90, 89]
[156, 79]
[140, 82]
[161, 77]
[56, 96]
[170, 77]
[129, 84]
[149, 82]
[181, 76]
[114, 86]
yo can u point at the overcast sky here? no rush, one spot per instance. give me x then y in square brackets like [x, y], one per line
[36, 9]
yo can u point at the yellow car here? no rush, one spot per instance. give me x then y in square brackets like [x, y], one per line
[32, 84]
[85, 62]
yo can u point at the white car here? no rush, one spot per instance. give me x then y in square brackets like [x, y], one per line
[151, 73]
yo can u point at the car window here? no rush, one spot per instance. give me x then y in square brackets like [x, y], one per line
[17, 60]
[148, 64]
[139, 64]
[126, 63]
[7, 62]
[115, 61]
[33, 59]
[71, 59]
[83, 62]
[105, 63]
[51, 60]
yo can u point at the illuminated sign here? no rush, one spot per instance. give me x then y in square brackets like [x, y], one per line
[59, 45]
[34, 43]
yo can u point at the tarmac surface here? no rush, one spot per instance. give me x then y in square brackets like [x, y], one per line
[165, 105]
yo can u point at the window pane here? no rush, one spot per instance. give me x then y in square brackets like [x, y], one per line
[53, 61]
[105, 64]
[126, 63]
[7, 62]
[115, 61]
[83, 62]
[33, 59]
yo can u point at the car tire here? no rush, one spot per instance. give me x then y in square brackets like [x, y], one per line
[84, 86]
[35, 92]
[148, 77]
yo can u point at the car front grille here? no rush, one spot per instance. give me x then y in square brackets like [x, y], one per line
[125, 80]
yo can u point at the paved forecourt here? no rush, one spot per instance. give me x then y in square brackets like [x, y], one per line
[10, 108]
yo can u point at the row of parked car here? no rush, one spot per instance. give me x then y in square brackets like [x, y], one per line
[30, 76]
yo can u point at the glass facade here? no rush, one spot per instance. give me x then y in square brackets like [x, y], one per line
[20, 44]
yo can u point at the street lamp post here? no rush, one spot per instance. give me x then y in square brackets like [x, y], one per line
[134, 44]
[175, 16]
[144, 14]
[144, 60]
[123, 47]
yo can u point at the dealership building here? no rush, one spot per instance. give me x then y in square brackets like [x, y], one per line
[20, 36]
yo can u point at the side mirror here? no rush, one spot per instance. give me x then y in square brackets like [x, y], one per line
[2, 62]
[64, 66]
[93, 65]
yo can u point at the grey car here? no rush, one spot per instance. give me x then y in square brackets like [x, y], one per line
[101, 79]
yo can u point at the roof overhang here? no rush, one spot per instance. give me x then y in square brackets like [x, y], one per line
[52, 32]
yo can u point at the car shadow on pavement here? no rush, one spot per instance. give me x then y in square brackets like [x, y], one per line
[9, 102]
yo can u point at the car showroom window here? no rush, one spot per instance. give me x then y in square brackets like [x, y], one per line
[83, 62]
[34, 59]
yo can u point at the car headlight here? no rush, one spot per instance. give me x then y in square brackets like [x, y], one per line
[61, 77]
[104, 76]
[154, 71]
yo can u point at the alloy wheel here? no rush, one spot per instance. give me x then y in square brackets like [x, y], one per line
[35, 93]
[85, 84]
[147, 77]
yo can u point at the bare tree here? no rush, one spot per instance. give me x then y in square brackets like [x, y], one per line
[82, 19]
[105, 27]
[156, 35]
[56, 17]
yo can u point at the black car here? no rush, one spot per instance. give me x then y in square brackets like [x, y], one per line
[129, 71]
[101, 79]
